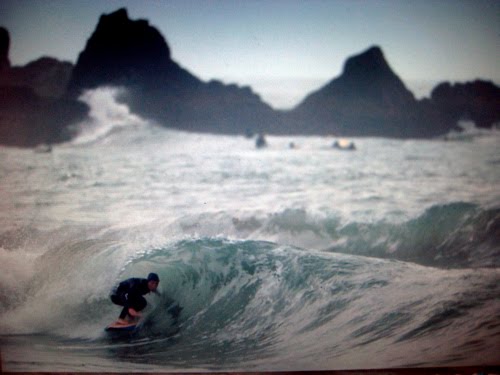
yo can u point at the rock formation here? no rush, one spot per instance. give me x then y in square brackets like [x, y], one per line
[38, 102]
[122, 52]
[28, 120]
[47, 76]
[33, 110]
[133, 54]
[368, 99]
[478, 101]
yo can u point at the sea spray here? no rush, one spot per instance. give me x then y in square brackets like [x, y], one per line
[106, 114]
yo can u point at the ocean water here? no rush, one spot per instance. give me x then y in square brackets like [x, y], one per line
[308, 258]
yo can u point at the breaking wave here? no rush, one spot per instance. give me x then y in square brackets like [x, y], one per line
[106, 115]
[253, 301]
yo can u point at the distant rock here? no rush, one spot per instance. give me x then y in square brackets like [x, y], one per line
[38, 101]
[47, 77]
[28, 119]
[121, 52]
[133, 54]
[368, 99]
[33, 110]
[478, 101]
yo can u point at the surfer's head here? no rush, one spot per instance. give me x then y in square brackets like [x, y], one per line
[153, 281]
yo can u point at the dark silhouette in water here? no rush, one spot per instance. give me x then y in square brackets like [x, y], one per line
[260, 142]
[339, 145]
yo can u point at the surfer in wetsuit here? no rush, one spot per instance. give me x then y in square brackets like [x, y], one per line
[129, 294]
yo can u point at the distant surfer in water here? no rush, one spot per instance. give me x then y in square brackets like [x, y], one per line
[129, 294]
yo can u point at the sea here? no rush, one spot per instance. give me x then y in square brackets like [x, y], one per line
[296, 256]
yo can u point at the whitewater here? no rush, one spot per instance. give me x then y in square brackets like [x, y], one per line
[303, 258]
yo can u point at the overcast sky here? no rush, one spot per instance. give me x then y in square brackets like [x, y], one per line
[284, 49]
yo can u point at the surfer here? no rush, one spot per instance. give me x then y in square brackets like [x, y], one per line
[129, 294]
[260, 142]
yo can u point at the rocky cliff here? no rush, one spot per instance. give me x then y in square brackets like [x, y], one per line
[368, 99]
[133, 54]
[478, 101]
[33, 109]
[38, 102]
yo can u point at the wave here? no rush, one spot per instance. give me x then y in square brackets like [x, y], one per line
[454, 235]
[253, 302]
[468, 132]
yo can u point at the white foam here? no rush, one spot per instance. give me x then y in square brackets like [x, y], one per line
[17, 270]
[106, 114]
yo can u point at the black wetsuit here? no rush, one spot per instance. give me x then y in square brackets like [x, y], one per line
[129, 294]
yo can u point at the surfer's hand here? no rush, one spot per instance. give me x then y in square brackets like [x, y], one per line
[134, 313]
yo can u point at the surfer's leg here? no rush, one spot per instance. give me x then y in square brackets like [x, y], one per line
[117, 299]
[124, 313]
[121, 300]
[137, 302]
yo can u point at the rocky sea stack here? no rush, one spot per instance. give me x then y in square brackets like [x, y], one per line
[367, 99]
[33, 106]
[39, 101]
[133, 54]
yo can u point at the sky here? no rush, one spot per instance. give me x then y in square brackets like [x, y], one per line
[283, 49]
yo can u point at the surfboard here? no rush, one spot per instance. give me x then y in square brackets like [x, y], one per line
[117, 327]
